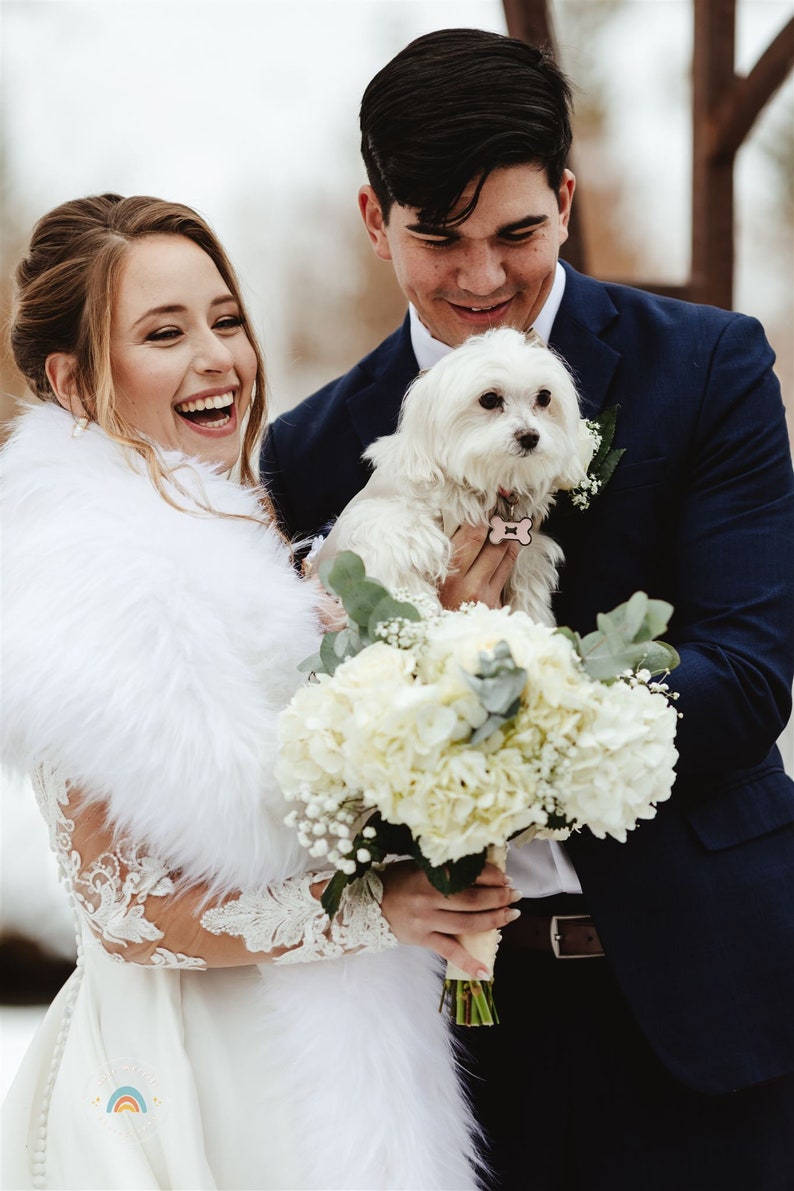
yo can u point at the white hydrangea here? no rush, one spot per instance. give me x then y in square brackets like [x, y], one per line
[391, 729]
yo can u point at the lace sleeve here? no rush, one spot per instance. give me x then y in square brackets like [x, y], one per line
[113, 892]
[290, 916]
[140, 915]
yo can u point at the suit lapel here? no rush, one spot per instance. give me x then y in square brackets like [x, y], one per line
[577, 334]
[374, 408]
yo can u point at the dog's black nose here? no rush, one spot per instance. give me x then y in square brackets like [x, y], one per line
[527, 439]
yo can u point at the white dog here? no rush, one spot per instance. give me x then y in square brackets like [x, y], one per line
[489, 433]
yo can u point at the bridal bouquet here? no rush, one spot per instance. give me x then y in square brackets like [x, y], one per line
[444, 735]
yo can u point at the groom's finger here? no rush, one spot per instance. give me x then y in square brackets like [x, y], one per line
[479, 569]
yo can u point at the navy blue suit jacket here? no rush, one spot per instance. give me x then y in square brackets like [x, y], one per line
[696, 909]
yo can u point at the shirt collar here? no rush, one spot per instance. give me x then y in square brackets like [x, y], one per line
[429, 351]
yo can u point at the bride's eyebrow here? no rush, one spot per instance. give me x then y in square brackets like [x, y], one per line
[156, 310]
[179, 309]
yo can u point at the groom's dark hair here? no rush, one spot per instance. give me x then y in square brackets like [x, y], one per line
[455, 105]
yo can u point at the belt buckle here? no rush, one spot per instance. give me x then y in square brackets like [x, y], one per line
[556, 937]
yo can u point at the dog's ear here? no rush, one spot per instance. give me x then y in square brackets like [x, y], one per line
[578, 458]
[569, 477]
[412, 450]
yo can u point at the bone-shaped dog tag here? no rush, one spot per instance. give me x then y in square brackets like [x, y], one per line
[502, 531]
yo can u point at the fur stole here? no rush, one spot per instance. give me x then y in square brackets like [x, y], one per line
[147, 652]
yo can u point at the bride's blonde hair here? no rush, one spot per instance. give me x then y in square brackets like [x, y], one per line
[65, 288]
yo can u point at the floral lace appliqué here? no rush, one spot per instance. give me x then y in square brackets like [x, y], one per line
[111, 892]
[288, 915]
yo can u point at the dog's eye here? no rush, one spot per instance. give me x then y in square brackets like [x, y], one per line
[543, 398]
[491, 401]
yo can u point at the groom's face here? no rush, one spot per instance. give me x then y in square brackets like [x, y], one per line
[494, 269]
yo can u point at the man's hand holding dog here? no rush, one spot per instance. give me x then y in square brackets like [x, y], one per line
[479, 568]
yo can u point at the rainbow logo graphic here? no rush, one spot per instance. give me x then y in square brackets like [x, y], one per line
[126, 1099]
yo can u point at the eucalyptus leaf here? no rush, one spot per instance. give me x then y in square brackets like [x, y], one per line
[491, 725]
[498, 693]
[628, 618]
[361, 598]
[312, 665]
[335, 648]
[624, 640]
[341, 573]
[499, 681]
[639, 619]
[497, 659]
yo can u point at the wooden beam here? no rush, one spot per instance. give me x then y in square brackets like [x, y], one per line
[742, 104]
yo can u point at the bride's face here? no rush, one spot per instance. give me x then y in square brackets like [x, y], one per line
[183, 366]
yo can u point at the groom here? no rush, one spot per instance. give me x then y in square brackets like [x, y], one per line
[647, 1043]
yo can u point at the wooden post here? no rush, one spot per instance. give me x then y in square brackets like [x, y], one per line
[530, 21]
[711, 278]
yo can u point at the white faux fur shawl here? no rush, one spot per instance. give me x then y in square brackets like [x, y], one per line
[147, 653]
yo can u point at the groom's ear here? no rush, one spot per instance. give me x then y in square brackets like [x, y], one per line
[372, 214]
[61, 369]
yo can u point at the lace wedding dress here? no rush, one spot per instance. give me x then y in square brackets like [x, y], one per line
[194, 1101]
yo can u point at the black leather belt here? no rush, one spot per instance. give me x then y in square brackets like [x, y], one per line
[565, 936]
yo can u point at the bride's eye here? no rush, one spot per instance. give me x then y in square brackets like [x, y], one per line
[491, 401]
[162, 334]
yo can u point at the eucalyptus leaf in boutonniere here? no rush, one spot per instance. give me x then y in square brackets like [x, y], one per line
[598, 456]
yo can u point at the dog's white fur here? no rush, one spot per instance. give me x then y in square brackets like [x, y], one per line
[448, 459]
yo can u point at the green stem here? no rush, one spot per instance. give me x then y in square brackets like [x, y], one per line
[470, 1002]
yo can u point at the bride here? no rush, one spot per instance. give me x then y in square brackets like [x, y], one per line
[218, 1031]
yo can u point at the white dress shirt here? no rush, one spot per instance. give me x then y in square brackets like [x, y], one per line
[540, 868]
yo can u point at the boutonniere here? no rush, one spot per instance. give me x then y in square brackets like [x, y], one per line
[598, 457]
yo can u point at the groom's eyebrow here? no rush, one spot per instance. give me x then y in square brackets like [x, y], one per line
[507, 229]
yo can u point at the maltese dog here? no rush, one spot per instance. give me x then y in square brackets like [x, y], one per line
[488, 434]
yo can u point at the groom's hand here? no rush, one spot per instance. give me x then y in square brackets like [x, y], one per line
[479, 569]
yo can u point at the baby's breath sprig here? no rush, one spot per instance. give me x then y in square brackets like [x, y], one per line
[604, 460]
